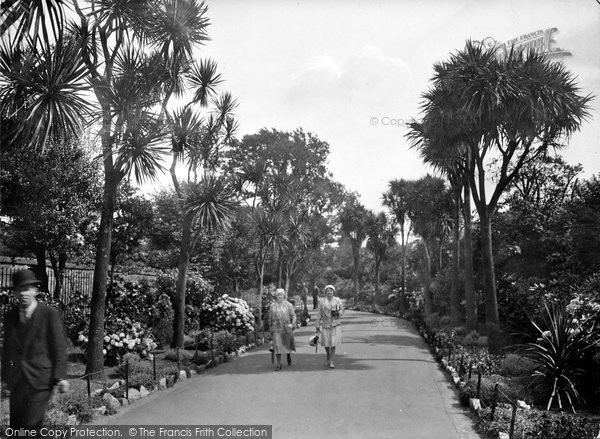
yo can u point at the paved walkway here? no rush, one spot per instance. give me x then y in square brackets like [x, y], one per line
[385, 385]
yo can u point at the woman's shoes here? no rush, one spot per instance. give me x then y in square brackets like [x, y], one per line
[278, 368]
[331, 366]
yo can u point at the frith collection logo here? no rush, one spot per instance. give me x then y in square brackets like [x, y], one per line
[541, 41]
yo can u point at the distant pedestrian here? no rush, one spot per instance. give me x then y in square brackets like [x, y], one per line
[304, 295]
[315, 296]
[331, 309]
[34, 358]
[282, 321]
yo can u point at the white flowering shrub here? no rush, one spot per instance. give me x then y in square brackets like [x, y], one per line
[129, 312]
[227, 313]
[122, 336]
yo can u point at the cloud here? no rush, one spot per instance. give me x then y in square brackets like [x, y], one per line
[323, 67]
[367, 79]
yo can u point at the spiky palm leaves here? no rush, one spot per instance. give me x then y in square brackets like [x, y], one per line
[558, 351]
[43, 90]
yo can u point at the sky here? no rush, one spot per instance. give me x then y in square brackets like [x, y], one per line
[352, 72]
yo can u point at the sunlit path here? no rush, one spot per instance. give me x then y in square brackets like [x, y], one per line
[385, 385]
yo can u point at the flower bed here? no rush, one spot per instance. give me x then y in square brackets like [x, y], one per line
[507, 392]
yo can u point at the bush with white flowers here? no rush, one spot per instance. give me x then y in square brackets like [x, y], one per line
[227, 313]
[122, 336]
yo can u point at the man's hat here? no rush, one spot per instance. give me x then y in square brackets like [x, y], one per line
[330, 286]
[23, 278]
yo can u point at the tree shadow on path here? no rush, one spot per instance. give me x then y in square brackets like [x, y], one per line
[260, 362]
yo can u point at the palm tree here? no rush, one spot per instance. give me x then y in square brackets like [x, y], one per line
[270, 230]
[133, 56]
[205, 201]
[429, 215]
[380, 236]
[398, 200]
[42, 92]
[296, 243]
[353, 221]
[435, 148]
[509, 110]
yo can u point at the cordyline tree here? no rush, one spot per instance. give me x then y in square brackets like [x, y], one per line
[353, 222]
[437, 149]
[430, 215]
[398, 201]
[381, 234]
[205, 199]
[502, 110]
[133, 55]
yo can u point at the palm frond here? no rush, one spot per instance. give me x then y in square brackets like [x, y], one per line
[45, 88]
[178, 26]
[204, 78]
[212, 202]
[141, 150]
[28, 18]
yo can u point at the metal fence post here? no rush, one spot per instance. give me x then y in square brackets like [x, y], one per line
[512, 421]
[89, 386]
[154, 365]
[127, 379]
[494, 401]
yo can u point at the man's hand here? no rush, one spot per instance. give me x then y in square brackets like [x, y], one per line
[63, 386]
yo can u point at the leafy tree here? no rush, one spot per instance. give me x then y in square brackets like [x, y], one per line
[585, 226]
[51, 196]
[132, 223]
[530, 228]
[284, 174]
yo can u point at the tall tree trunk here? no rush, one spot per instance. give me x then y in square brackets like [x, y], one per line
[280, 270]
[454, 297]
[468, 259]
[40, 271]
[403, 249]
[95, 356]
[427, 296]
[60, 278]
[356, 258]
[288, 277]
[180, 288]
[377, 276]
[58, 269]
[261, 276]
[491, 301]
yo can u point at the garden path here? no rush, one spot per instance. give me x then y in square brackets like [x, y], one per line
[386, 384]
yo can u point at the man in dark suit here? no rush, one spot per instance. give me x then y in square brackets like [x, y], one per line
[34, 357]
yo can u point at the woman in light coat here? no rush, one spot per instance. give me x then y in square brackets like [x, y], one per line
[330, 310]
[282, 321]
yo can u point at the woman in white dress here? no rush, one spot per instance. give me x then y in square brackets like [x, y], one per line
[282, 321]
[330, 310]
